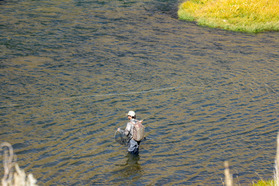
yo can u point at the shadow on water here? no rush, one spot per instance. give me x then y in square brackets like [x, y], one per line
[168, 7]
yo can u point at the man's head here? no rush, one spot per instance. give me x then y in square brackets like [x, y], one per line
[131, 114]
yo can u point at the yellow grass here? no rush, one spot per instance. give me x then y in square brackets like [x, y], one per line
[237, 15]
[264, 183]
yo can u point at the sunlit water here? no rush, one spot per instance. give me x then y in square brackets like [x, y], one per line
[71, 70]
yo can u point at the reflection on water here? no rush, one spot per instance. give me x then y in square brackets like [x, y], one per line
[70, 71]
[130, 168]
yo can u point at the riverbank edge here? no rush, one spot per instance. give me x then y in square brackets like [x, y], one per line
[191, 11]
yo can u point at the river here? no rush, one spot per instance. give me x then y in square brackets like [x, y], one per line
[71, 69]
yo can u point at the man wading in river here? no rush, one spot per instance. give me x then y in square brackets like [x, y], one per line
[134, 131]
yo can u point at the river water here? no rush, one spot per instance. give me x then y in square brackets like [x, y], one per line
[71, 69]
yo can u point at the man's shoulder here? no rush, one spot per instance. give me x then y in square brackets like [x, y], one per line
[129, 123]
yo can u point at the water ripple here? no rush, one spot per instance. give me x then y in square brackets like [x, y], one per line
[70, 71]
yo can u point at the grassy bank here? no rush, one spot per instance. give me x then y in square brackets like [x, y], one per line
[264, 183]
[237, 15]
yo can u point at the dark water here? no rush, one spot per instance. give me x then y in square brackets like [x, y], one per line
[70, 70]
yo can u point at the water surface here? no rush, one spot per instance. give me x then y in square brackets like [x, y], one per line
[70, 71]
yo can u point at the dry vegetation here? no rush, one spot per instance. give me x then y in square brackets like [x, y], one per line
[13, 175]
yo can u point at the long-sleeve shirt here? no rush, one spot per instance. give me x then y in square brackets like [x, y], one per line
[129, 128]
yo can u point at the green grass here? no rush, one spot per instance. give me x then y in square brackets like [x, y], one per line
[264, 183]
[238, 15]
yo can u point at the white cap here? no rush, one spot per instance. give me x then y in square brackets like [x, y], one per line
[131, 113]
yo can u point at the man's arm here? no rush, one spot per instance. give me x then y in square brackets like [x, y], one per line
[128, 129]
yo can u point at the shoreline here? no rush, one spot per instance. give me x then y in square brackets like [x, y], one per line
[251, 16]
